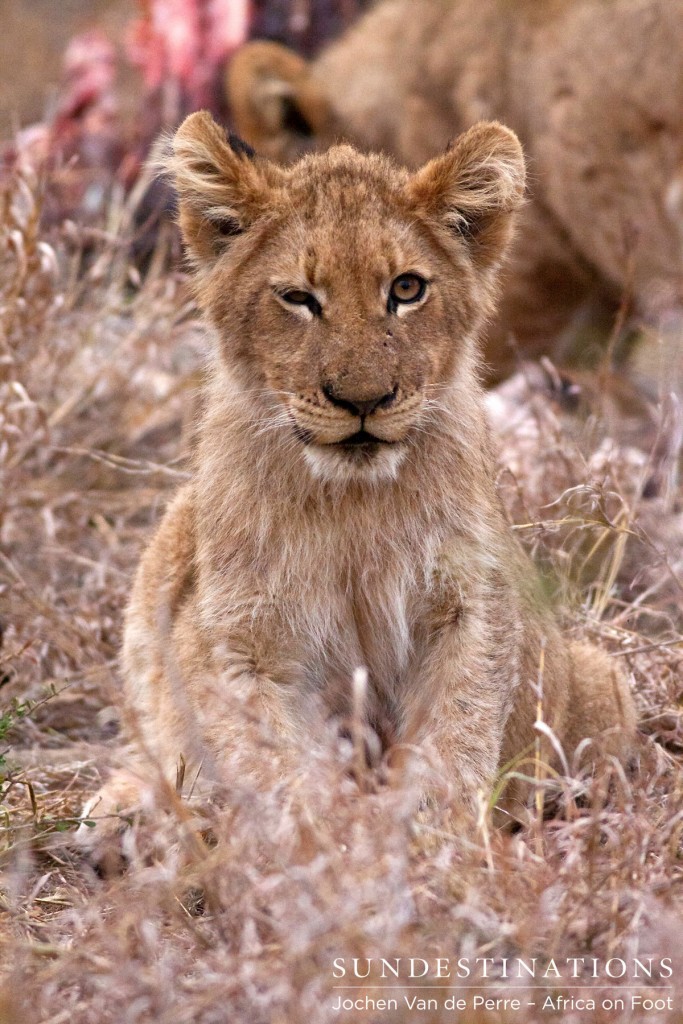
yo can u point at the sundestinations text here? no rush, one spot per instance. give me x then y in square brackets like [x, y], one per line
[643, 968]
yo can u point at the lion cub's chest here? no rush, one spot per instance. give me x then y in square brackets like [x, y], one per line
[307, 615]
[346, 613]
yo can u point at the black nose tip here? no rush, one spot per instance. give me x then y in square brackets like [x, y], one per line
[360, 407]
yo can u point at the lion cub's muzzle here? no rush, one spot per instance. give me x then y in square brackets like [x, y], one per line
[353, 421]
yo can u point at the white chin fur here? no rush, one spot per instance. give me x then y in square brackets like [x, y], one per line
[328, 463]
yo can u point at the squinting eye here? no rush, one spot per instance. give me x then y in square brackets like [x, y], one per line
[297, 297]
[407, 288]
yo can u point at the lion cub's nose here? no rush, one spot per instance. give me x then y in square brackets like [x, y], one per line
[360, 406]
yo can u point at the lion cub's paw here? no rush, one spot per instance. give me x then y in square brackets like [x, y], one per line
[108, 816]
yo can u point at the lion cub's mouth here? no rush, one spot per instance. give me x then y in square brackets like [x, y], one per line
[360, 455]
[361, 439]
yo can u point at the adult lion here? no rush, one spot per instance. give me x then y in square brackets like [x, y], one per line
[593, 88]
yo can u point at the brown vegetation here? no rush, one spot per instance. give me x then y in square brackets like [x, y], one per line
[98, 377]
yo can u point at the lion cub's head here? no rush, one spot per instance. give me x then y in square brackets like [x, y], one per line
[347, 292]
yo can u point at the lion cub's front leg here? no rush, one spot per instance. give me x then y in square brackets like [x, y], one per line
[198, 714]
[455, 710]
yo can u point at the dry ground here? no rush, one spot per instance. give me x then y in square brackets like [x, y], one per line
[98, 386]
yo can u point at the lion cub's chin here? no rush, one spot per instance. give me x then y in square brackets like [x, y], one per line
[367, 464]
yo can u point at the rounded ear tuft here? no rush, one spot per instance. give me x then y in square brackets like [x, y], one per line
[474, 188]
[221, 187]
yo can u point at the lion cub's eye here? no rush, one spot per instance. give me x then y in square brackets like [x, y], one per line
[405, 289]
[297, 297]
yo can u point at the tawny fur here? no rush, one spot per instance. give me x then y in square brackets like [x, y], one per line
[594, 90]
[290, 561]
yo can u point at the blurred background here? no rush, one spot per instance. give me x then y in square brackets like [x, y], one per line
[101, 77]
[148, 38]
[87, 85]
[34, 38]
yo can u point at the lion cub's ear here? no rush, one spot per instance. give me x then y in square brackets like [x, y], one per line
[222, 188]
[474, 188]
[275, 103]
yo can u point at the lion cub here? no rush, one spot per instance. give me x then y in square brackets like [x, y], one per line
[343, 511]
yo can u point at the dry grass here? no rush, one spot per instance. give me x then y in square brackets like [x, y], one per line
[98, 376]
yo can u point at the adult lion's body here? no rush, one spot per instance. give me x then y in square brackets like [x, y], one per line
[343, 512]
[594, 90]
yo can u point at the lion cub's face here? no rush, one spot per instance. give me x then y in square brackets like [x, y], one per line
[346, 292]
